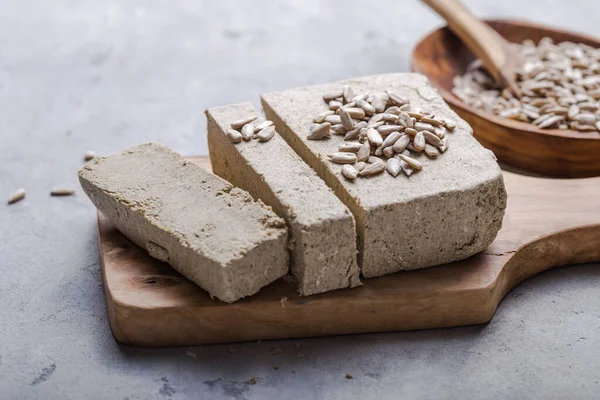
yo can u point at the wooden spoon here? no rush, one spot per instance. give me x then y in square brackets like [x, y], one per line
[500, 59]
[441, 56]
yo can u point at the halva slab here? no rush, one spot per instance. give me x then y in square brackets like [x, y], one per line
[322, 229]
[212, 233]
[450, 210]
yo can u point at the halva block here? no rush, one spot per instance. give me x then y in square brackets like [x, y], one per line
[322, 229]
[449, 211]
[212, 233]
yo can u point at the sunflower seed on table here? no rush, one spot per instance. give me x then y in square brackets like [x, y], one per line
[349, 172]
[364, 152]
[431, 151]
[374, 137]
[60, 192]
[393, 166]
[342, 158]
[266, 134]
[264, 125]
[247, 131]
[89, 155]
[320, 132]
[333, 95]
[351, 147]
[242, 121]
[17, 196]
[234, 135]
[333, 119]
[414, 164]
[319, 119]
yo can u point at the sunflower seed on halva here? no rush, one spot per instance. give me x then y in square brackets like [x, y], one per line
[262, 126]
[242, 121]
[431, 151]
[266, 134]
[419, 141]
[247, 131]
[364, 152]
[351, 147]
[393, 166]
[234, 135]
[342, 158]
[319, 119]
[346, 120]
[372, 169]
[391, 139]
[401, 143]
[349, 172]
[374, 137]
[414, 164]
[320, 132]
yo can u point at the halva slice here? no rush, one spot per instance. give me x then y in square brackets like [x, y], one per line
[212, 233]
[322, 229]
[448, 211]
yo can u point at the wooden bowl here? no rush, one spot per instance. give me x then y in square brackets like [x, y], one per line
[560, 153]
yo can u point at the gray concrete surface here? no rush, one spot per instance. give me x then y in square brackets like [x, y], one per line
[104, 75]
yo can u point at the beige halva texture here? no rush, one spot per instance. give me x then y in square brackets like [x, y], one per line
[322, 230]
[449, 211]
[212, 233]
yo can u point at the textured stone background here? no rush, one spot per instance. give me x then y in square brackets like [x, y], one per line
[105, 75]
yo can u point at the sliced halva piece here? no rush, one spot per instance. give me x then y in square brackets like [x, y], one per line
[212, 233]
[450, 210]
[322, 230]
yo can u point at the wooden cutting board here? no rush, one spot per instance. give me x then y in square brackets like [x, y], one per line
[548, 223]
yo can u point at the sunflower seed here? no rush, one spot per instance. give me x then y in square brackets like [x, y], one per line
[573, 111]
[391, 139]
[364, 152]
[333, 119]
[401, 143]
[379, 151]
[347, 94]
[379, 103]
[405, 120]
[372, 169]
[266, 134]
[342, 158]
[335, 105]
[374, 137]
[346, 120]
[411, 132]
[242, 121]
[422, 126]
[16, 196]
[581, 127]
[373, 160]
[360, 165]
[431, 151]
[234, 135]
[406, 168]
[356, 112]
[319, 119]
[349, 172]
[432, 121]
[431, 138]
[388, 129]
[399, 101]
[406, 153]
[554, 120]
[414, 164]
[333, 95]
[440, 131]
[89, 155]
[320, 132]
[393, 166]
[247, 132]
[389, 117]
[368, 108]
[338, 129]
[62, 192]
[389, 152]
[415, 114]
[263, 125]
[444, 145]
[351, 147]
[586, 119]
[354, 133]
[393, 110]
[419, 141]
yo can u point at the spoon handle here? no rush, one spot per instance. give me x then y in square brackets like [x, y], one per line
[486, 43]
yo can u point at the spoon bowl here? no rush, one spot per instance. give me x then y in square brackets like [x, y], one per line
[555, 152]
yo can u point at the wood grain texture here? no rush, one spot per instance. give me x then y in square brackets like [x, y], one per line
[561, 153]
[548, 223]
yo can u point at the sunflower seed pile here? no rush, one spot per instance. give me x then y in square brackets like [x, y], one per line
[560, 85]
[247, 129]
[381, 131]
